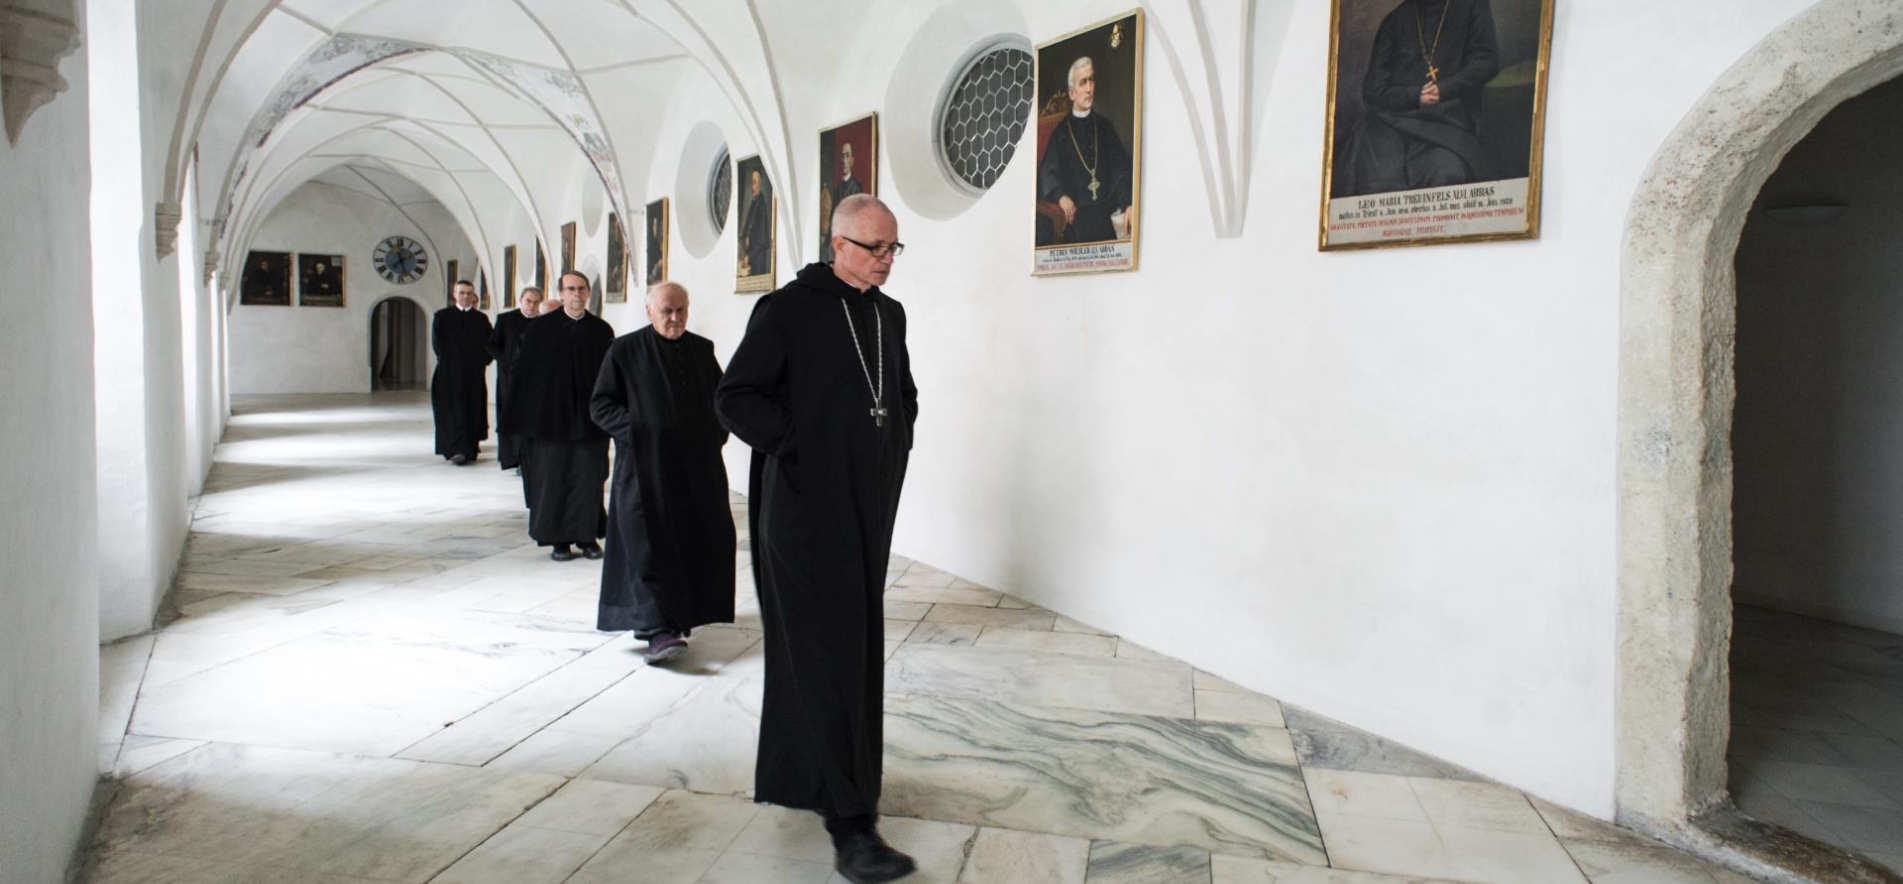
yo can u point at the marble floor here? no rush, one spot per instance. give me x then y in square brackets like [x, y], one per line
[1817, 730]
[374, 676]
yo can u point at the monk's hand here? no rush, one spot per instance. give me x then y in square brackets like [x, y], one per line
[1069, 207]
[1430, 95]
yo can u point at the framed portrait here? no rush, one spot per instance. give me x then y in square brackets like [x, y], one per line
[1436, 114]
[753, 266]
[848, 165]
[320, 280]
[482, 292]
[1089, 148]
[657, 241]
[452, 271]
[568, 247]
[541, 268]
[267, 279]
[614, 289]
[508, 277]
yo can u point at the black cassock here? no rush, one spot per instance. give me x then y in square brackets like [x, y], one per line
[458, 390]
[564, 455]
[669, 564]
[1080, 146]
[825, 490]
[501, 347]
[1397, 144]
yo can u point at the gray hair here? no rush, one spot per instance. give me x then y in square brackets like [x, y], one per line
[1075, 66]
[664, 285]
[846, 215]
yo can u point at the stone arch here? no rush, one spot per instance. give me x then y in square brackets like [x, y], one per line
[1676, 393]
[409, 359]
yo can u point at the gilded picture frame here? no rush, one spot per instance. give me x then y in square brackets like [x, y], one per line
[1089, 177]
[568, 247]
[1399, 169]
[756, 232]
[614, 283]
[656, 245]
[452, 271]
[848, 165]
[320, 280]
[266, 281]
[508, 277]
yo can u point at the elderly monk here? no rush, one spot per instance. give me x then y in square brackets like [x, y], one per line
[459, 390]
[564, 455]
[821, 388]
[502, 346]
[670, 532]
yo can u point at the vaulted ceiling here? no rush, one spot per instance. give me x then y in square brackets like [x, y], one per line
[486, 106]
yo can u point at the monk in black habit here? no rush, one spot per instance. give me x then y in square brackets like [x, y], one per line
[564, 454]
[669, 565]
[1421, 99]
[501, 347]
[821, 388]
[458, 389]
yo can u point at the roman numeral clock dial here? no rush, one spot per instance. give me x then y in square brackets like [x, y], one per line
[401, 260]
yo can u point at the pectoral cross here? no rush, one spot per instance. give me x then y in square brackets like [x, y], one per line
[878, 416]
[1433, 74]
[1093, 188]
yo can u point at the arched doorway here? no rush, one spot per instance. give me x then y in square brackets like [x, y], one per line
[398, 345]
[1676, 398]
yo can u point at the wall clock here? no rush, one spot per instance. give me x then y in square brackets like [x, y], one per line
[400, 259]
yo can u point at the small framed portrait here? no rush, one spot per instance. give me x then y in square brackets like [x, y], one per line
[267, 279]
[541, 267]
[615, 285]
[1089, 148]
[753, 267]
[508, 277]
[320, 280]
[568, 247]
[657, 241]
[482, 291]
[1436, 114]
[848, 165]
[452, 271]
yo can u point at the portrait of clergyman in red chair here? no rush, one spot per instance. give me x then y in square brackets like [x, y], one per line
[1089, 147]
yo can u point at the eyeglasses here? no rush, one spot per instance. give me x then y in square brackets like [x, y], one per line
[891, 249]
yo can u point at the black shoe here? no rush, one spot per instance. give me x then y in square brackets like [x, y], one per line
[864, 858]
[458, 459]
[591, 550]
[562, 553]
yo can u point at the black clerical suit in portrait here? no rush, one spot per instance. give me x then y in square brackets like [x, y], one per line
[1079, 146]
[501, 347]
[825, 491]
[670, 551]
[459, 391]
[1401, 144]
[564, 454]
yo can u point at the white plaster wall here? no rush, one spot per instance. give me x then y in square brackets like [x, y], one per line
[1379, 485]
[326, 349]
[1819, 488]
[49, 616]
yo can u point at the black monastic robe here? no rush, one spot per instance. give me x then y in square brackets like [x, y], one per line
[501, 347]
[825, 491]
[1398, 144]
[1078, 147]
[669, 564]
[459, 391]
[564, 454]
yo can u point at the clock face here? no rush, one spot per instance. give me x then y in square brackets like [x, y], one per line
[400, 259]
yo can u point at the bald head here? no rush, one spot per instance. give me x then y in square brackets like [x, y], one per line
[853, 213]
[865, 240]
[667, 309]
